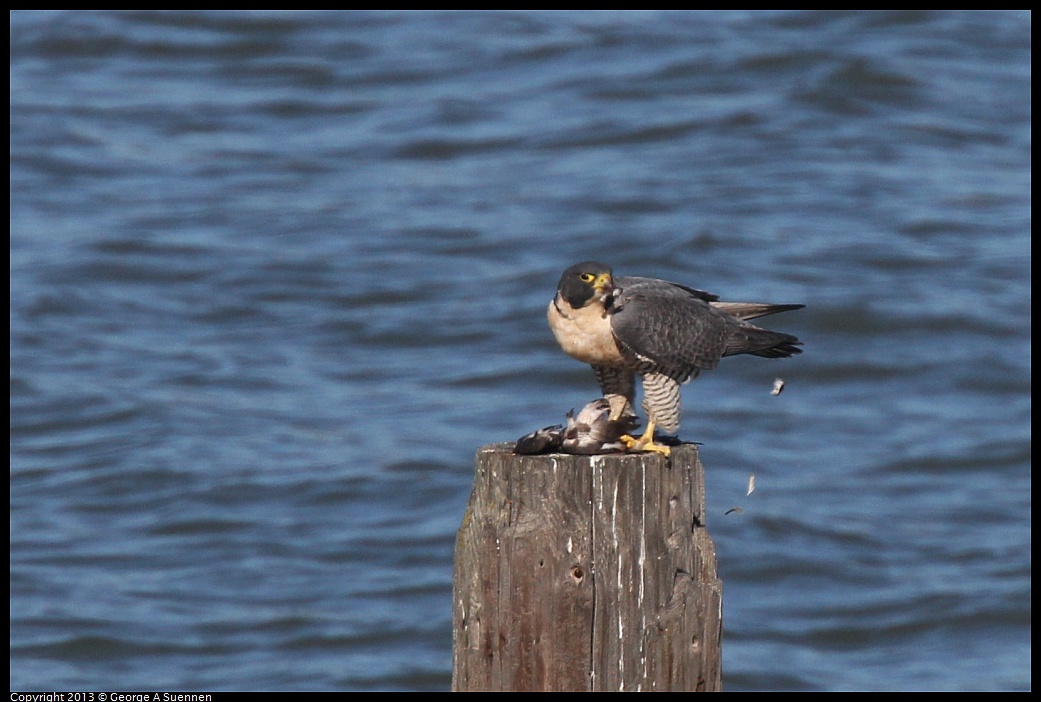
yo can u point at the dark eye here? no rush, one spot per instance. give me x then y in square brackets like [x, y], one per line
[587, 277]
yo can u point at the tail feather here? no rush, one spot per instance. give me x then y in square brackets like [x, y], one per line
[784, 349]
[764, 343]
[752, 310]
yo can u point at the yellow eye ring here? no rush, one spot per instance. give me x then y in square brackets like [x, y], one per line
[587, 277]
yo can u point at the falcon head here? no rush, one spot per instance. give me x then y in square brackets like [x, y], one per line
[584, 283]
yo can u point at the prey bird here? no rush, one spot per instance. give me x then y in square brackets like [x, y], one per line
[590, 432]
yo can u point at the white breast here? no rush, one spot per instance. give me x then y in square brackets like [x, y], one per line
[584, 333]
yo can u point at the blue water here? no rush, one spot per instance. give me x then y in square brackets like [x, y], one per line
[276, 276]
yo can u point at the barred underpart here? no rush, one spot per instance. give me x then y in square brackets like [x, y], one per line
[661, 401]
[619, 387]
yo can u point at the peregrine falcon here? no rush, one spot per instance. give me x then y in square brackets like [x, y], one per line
[664, 332]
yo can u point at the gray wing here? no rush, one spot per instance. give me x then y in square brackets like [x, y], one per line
[741, 310]
[679, 331]
[671, 327]
[631, 281]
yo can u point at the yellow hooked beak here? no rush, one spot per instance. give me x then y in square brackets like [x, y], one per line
[603, 283]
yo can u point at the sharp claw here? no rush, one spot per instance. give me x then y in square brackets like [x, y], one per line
[658, 448]
[629, 441]
[645, 442]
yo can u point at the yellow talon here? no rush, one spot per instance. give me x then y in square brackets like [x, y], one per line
[658, 448]
[645, 442]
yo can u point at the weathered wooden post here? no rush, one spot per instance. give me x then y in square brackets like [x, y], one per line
[586, 573]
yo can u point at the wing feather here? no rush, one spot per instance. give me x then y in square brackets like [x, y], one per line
[680, 331]
[668, 325]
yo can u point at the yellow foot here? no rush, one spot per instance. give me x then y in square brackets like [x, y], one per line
[645, 442]
[629, 441]
[657, 448]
